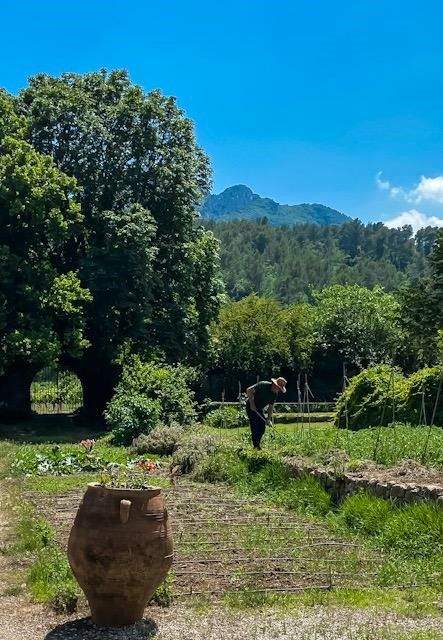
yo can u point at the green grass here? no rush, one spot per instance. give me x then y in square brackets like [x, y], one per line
[417, 602]
[263, 475]
[415, 530]
[50, 579]
[31, 533]
[322, 441]
[365, 514]
[58, 484]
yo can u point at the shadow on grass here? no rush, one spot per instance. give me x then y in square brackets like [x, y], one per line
[84, 629]
[50, 428]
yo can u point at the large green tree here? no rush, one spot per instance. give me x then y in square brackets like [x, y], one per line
[356, 327]
[150, 269]
[38, 291]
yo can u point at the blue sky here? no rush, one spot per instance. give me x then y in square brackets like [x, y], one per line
[304, 101]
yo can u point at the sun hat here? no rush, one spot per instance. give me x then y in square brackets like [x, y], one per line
[281, 383]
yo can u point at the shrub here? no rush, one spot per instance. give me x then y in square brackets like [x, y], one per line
[365, 513]
[227, 417]
[149, 393]
[369, 398]
[161, 440]
[423, 384]
[415, 530]
[221, 466]
[192, 450]
[129, 415]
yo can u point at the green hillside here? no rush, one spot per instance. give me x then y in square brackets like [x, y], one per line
[239, 202]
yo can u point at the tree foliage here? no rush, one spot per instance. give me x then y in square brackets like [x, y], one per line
[151, 271]
[358, 326]
[251, 337]
[39, 216]
[286, 263]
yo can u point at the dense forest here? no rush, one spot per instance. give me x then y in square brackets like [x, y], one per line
[287, 263]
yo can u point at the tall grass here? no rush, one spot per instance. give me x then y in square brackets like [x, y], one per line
[385, 445]
[266, 476]
[414, 530]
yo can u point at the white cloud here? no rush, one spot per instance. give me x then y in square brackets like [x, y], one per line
[415, 218]
[428, 189]
[384, 185]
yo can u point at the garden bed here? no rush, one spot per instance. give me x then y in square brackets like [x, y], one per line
[224, 543]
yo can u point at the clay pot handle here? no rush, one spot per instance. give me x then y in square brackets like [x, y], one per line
[125, 506]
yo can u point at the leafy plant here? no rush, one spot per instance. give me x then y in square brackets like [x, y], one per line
[128, 415]
[422, 390]
[147, 395]
[371, 398]
[192, 449]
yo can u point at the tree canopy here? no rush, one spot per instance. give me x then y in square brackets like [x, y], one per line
[286, 263]
[151, 271]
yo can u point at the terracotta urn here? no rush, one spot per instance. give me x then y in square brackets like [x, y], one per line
[120, 550]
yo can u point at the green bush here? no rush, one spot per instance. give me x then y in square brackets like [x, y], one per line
[364, 513]
[148, 394]
[372, 394]
[161, 440]
[228, 417]
[130, 415]
[423, 385]
[370, 397]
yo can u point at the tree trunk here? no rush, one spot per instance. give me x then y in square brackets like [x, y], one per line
[15, 392]
[99, 379]
[98, 389]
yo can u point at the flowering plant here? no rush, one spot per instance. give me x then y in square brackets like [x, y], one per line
[87, 444]
[149, 466]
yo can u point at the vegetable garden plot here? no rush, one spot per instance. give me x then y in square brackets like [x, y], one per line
[224, 544]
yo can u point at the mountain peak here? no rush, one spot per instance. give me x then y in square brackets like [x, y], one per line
[240, 202]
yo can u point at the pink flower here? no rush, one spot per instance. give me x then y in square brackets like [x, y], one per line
[87, 444]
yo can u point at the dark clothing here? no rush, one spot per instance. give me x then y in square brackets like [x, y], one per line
[257, 422]
[263, 395]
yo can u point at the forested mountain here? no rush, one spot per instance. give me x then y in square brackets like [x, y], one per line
[240, 203]
[288, 262]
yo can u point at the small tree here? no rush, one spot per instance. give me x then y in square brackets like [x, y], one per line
[355, 327]
[252, 338]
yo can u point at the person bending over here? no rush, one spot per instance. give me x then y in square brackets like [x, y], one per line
[261, 395]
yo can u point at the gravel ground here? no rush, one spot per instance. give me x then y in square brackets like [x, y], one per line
[23, 622]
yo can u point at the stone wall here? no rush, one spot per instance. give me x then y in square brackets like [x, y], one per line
[342, 485]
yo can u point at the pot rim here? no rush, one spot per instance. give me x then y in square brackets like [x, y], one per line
[152, 491]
